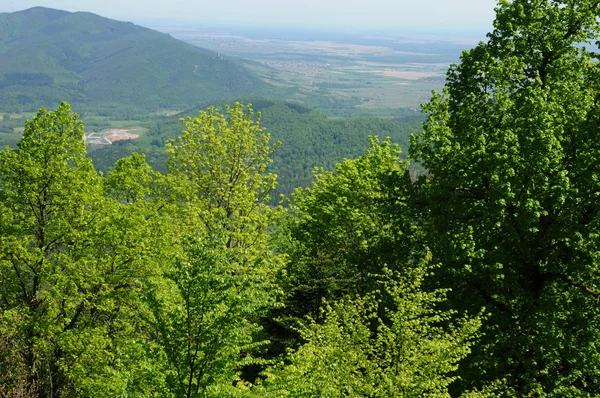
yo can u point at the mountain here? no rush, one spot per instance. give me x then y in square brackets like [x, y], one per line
[109, 66]
[308, 139]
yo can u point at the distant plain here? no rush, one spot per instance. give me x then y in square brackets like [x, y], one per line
[340, 74]
[374, 75]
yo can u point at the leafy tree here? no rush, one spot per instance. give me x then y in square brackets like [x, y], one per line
[351, 242]
[221, 161]
[512, 149]
[70, 269]
[206, 317]
[132, 180]
[13, 373]
[345, 228]
[368, 349]
[221, 280]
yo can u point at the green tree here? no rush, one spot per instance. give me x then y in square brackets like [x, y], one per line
[70, 269]
[351, 243]
[14, 382]
[365, 348]
[343, 229]
[513, 155]
[220, 162]
[223, 277]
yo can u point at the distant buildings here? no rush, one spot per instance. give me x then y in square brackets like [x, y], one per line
[107, 137]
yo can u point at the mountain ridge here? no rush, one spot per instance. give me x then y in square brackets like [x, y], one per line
[91, 61]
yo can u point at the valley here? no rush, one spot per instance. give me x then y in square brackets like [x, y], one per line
[352, 75]
[321, 93]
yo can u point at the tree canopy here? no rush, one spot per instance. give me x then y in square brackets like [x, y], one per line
[479, 279]
[512, 152]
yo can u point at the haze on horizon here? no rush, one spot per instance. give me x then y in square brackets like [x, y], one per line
[385, 14]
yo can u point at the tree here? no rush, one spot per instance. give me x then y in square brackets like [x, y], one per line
[69, 268]
[352, 245]
[220, 162]
[221, 279]
[343, 229]
[13, 373]
[512, 151]
[389, 343]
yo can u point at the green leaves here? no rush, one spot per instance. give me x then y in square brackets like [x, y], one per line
[147, 284]
[389, 343]
[220, 162]
[356, 294]
[135, 284]
[512, 149]
[204, 315]
[222, 278]
[71, 263]
[345, 228]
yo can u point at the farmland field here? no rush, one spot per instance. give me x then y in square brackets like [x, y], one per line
[349, 75]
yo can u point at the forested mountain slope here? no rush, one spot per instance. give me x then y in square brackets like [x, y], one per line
[479, 280]
[108, 66]
[308, 139]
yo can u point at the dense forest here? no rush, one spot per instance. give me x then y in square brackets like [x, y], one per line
[480, 278]
[304, 138]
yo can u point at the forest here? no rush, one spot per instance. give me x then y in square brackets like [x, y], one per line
[479, 278]
[307, 138]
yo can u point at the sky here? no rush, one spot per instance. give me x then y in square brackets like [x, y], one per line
[442, 14]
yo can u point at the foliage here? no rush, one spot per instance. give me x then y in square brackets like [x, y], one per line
[309, 139]
[221, 161]
[388, 344]
[206, 309]
[13, 373]
[205, 317]
[512, 197]
[69, 266]
[312, 140]
[343, 230]
[147, 283]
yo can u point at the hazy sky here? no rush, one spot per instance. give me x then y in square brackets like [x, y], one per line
[368, 13]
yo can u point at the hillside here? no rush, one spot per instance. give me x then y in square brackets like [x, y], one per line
[109, 67]
[308, 139]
